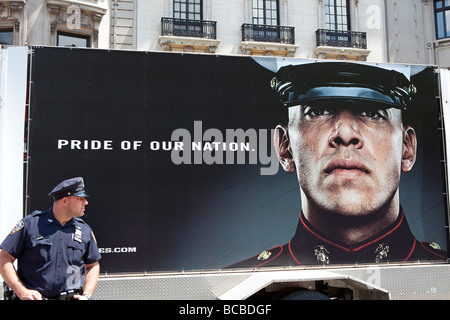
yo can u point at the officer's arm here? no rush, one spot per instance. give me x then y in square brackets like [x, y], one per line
[91, 280]
[9, 275]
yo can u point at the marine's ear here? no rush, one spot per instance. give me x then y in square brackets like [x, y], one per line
[409, 148]
[283, 148]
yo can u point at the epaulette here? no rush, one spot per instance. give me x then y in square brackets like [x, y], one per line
[81, 221]
[36, 213]
[435, 249]
[260, 259]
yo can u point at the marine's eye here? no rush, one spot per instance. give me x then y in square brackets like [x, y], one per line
[316, 111]
[374, 113]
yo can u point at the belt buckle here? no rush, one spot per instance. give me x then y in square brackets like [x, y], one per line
[67, 295]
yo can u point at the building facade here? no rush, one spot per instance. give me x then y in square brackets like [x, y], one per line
[403, 31]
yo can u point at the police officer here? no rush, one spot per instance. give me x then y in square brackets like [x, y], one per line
[348, 139]
[56, 250]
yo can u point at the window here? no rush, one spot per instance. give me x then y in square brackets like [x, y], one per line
[442, 11]
[6, 36]
[337, 15]
[188, 9]
[73, 40]
[265, 12]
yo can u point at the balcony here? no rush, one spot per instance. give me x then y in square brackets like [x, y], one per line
[341, 45]
[188, 28]
[188, 35]
[268, 40]
[264, 33]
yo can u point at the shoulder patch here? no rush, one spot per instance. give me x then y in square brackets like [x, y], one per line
[17, 227]
[93, 237]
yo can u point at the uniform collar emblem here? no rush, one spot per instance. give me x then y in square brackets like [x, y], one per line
[435, 246]
[322, 254]
[264, 255]
[382, 252]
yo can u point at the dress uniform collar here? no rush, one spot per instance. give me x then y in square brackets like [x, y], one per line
[395, 243]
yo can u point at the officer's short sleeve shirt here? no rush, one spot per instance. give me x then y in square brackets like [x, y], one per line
[51, 257]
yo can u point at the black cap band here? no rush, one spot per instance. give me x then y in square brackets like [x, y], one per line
[315, 82]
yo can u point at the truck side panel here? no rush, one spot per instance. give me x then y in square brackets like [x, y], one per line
[177, 155]
[13, 85]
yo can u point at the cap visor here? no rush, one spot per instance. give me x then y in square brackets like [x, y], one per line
[81, 194]
[367, 95]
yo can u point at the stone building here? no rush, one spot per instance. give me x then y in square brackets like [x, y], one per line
[406, 31]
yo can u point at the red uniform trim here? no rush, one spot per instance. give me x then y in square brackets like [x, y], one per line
[411, 251]
[436, 254]
[273, 258]
[360, 247]
[384, 235]
[292, 254]
[322, 238]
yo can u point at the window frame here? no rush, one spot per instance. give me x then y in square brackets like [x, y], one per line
[444, 10]
[4, 30]
[190, 9]
[86, 37]
[266, 19]
[337, 14]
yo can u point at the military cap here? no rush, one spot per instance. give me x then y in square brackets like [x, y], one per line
[69, 187]
[330, 81]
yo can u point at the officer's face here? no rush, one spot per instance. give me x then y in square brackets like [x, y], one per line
[349, 161]
[76, 205]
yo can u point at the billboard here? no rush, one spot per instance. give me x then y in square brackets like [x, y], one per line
[180, 154]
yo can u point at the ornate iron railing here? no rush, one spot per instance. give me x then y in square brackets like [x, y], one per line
[339, 38]
[266, 33]
[188, 28]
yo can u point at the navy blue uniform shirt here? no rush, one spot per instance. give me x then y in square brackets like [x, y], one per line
[51, 257]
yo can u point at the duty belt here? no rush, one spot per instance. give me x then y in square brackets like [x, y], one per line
[65, 295]
[8, 294]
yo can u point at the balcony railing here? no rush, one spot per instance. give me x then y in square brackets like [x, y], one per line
[188, 28]
[339, 38]
[266, 33]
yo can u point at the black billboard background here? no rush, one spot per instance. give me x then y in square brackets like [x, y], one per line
[182, 217]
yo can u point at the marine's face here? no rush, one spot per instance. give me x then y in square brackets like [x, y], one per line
[348, 161]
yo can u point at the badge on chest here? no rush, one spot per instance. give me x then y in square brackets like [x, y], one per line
[77, 236]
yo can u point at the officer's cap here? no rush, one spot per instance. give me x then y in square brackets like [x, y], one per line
[330, 81]
[69, 187]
